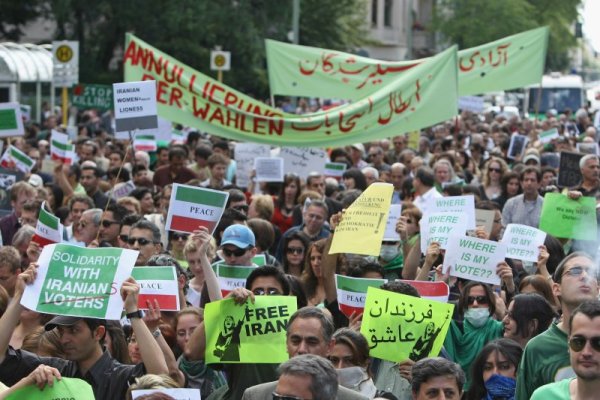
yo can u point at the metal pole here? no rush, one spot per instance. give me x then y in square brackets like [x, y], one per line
[65, 105]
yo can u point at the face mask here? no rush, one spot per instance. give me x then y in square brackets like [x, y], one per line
[388, 252]
[356, 379]
[500, 387]
[477, 316]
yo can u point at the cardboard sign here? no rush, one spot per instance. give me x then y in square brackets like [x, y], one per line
[157, 283]
[244, 155]
[352, 293]
[11, 121]
[303, 160]
[485, 218]
[474, 259]
[191, 207]
[269, 169]
[458, 204]
[569, 219]
[569, 173]
[440, 226]
[135, 106]
[522, 242]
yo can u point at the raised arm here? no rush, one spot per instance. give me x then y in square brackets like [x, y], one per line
[202, 238]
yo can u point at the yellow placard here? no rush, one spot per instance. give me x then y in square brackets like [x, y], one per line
[362, 228]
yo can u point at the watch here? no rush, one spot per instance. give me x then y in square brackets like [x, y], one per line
[156, 333]
[135, 314]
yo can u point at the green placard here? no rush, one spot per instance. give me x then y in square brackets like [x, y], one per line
[8, 119]
[569, 219]
[66, 388]
[400, 327]
[93, 96]
[248, 333]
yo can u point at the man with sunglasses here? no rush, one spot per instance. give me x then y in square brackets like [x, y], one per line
[144, 237]
[238, 245]
[584, 353]
[546, 357]
[110, 224]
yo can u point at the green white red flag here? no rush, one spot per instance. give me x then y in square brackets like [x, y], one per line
[48, 229]
[437, 291]
[231, 276]
[15, 158]
[157, 283]
[144, 143]
[192, 207]
[60, 148]
[352, 293]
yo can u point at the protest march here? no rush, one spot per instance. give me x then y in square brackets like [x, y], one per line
[377, 229]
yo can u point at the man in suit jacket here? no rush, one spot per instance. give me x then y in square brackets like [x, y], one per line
[309, 333]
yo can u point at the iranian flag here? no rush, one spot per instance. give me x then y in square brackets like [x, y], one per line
[231, 277]
[335, 169]
[144, 143]
[60, 148]
[157, 283]
[15, 158]
[352, 293]
[436, 291]
[48, 229]
[193, 206]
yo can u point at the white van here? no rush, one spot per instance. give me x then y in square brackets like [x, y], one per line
[558, 92]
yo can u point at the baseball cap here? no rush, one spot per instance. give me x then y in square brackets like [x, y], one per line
[238, 235]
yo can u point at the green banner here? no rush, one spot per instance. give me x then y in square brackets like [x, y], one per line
[93, 96]
[569, 219]
[8, 119]
[66, 388]
[423, 96]
[400, 327]
[248, 333]
[508, 63]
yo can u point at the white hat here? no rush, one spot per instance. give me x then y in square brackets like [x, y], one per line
[36, 181]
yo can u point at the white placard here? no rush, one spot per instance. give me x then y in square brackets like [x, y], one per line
[458, 204]
[135, 106]
[177, 394]
[523, 242]
[335, 169]
[471, 103]
[485, 218]
[390, 227]
[440, 226]
[244, 155]
[474, 259]
[269, 169]
[11, 120]
[303, 160]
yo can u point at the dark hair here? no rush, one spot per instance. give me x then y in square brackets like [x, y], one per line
[123, 174]
[81, 198]
[177, 152]
[558, 273]
[589, 308]
[140, 192]
[356, 342]
[529, 170]
[360, 182]
[488, 205]
[308, 278]
[528, 308]
[263, 232]
[327, 326]
[508, 348]
[428, 368]
[556, 253]
[401, 287]
[507, 177]
[288, 179]
[130, 219]
[223, 145]
[297, 290]
[203, 151]
[269, 270]
[463, 304]
[361, 270]
[304, 239]
[119, 212]
[425, 176]
[97, 171]
[118, 349]
[235, 195]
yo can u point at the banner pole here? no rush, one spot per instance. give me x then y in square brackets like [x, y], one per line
[65, 105]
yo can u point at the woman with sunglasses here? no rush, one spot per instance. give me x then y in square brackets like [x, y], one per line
[491, 176]
[476, 327]
[285, 202]
[177, 242]
[294, 253]
[494, 372]
[528, 315]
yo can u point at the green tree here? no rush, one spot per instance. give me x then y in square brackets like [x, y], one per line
[14, 14]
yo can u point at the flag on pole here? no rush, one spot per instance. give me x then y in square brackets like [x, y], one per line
[231, 277]
[60, 148]
[157, 283]
[352, 293]
[145, 143]
[48, 229]
[192, 207]
[15, 158]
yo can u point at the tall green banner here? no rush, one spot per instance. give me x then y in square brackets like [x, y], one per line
[249, 333]
[569, 219]
[423, 96]
[508, 63]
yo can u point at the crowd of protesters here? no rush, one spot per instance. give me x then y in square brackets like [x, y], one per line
[539, 331]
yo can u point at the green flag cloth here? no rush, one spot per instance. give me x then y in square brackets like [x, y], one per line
[66, 388]
[423, 96]
[511, 62]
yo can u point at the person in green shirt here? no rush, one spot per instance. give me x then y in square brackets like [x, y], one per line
[546, 357]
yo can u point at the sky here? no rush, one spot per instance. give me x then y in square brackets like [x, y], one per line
[591, 25]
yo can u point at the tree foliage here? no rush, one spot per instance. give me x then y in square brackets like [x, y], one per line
[470, 23]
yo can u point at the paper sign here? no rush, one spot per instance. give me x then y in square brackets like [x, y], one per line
[11, 121]
[549, 135]
[440, 226]
[269, 169]
[334, 169]
[123, 189]
[362, 228]
[48, 229]
[588, 148]
[471, 103]
[474, 259]
[564, 218]
[522, 242]
[135, 106]
[400, 327]
[157, 283]
[65, 388]
[352, 293]
[390, 226]
[79, 281]
[303, 160]
[177, 394]
[231, 276]
[569, 173]
[457, 204]
[485, 218]
[435, 291]
[249, 333]
[517, 146]
[245, 153]
[192, 206]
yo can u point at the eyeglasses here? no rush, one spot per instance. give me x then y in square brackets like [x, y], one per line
[577, 271]
[266, 291]
[142, 241]
[577, 343]
[478, 299]
[241, 208]
[295, 250]
[235, 253]
[124, 238]
[106, 223]
[280, 397]
[498, 170]
[179, 236]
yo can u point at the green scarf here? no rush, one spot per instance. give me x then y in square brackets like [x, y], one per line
[464, 345]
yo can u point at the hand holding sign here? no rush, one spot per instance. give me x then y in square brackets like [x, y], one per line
[129, 293]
